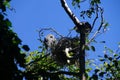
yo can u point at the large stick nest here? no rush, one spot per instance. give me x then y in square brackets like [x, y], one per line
[59, 51]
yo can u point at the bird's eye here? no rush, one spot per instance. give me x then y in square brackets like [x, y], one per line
[51, 36]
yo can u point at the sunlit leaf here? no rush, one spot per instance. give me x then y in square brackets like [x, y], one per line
[8, 23]
[6, 3]
[105, 25]
[115, 63]
[105, 64]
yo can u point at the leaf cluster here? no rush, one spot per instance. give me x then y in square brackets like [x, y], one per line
[4, 4]
[10, 51]
[41, 66]
[110, 66]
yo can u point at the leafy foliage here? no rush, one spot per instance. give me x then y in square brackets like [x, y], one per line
[76, 2]
[10, 55]
[4, 4]
[42, 65]
[110, 67]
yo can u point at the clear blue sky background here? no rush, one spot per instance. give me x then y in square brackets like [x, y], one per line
[31, 15]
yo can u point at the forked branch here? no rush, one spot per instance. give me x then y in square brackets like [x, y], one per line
[100, 26]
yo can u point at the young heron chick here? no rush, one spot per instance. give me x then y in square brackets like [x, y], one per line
[50, 41]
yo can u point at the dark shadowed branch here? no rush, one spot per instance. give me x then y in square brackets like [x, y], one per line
[67, 73]
[58, 73]
[96, 13]
[38, 59]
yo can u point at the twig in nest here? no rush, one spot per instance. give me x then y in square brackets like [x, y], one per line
[49, 29]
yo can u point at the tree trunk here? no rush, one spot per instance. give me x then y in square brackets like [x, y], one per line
[82, 38]
[82, 56]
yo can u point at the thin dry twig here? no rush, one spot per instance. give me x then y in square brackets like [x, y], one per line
[49, 29]
[94, 21]
[102, 19]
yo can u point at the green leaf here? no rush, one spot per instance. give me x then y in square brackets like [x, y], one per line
[93, 48]
[105, 25]
[115, 55]
[6, 3]
[105, 56]
[110, 58]
[86, 47]
[118, 43]
[108, 67]
[92, 3]
[88, 69]
[105, 64]
[73, 3]
[102, 41]
[111, 51]
[9, 23]
[78, 1]
[25, 47]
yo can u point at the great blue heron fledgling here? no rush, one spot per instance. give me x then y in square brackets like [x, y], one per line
[50, 41]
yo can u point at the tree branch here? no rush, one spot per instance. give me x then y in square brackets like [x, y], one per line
[70, 13]
[99, 28]
[96, 16]
[67, 73]
[43, 72]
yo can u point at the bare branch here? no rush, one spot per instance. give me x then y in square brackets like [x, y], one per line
[102, 20]
[95, 17]
[70, 13]
[99, 28]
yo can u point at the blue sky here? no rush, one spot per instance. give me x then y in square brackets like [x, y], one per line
[31, 15]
